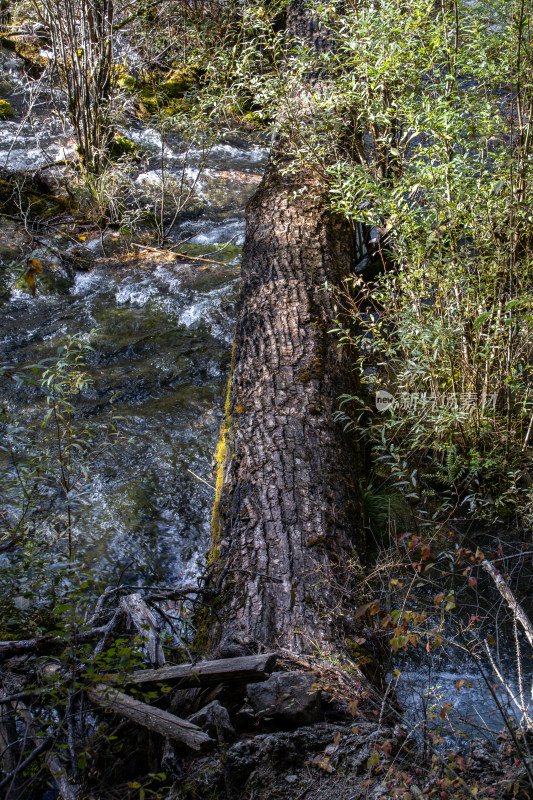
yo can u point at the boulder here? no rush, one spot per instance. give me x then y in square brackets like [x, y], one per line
[287, 696]
[214, 719]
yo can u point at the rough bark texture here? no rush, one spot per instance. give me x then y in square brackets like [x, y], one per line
[287, 527]
[287, 523]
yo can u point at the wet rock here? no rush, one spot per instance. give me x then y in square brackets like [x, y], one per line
[23, 191]
[287, 696]
[5, 88]
[266, 765]
[8, 254]
[335, 709]
[214, 720]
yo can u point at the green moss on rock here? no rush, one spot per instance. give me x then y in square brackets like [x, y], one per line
[179, 82]
[254, 118]
[128, 82]
[6, 112]
[177, 106]
[121, 146]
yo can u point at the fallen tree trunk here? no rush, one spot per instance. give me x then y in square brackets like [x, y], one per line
[287, 526]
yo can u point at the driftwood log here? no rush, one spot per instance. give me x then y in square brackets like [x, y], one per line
[155, 719]
[287, 525]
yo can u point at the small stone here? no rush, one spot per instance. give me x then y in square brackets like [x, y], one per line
[291, 778]
[214, 719]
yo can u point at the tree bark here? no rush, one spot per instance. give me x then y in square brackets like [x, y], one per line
[287, 531]
[287, 525]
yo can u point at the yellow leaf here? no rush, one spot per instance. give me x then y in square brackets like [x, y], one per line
[35, 267]
[324, 764]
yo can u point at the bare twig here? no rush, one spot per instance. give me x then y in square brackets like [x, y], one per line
[178, 255]
[510, 599]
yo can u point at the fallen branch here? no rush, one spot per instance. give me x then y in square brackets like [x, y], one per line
[155, 719]
[179, 255]
[27, 761]
[245, 669]
[145, 623]
[8, 740]
[517, 610]
[14, 647]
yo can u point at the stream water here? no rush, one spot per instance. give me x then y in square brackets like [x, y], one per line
[162, 332]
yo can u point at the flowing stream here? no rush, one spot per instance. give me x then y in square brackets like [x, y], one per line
[162, 331]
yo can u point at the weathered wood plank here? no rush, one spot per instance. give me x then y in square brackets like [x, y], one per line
[245, 669]
[155, 719]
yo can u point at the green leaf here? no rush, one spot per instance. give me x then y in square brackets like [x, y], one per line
[481, 319]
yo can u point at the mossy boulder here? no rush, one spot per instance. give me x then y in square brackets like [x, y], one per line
[25, 192]
[6, 112]
[179, 82]
[128, 82]
[255, 119]
[122, 146]
[29, 50]
[8, 254]
[149, 100]
[177, 106]
[7, 44]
